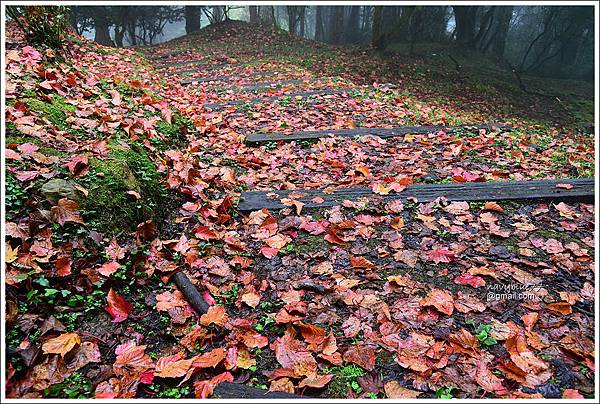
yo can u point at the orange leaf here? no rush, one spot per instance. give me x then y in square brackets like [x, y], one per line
[560, 307]
[397, 223]
[489, 381]
[572, 393]
[61, 344]
[311, 333]
[493, 206]
[251, 299]
[209, 359]
[316, 381]
[292, 355]
[441, 300]
[361, 262]
[63, 266]
[334, 238]
[172, 366]
[215, 315]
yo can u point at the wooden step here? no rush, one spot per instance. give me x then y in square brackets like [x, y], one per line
[235, 390]
[381, 132]
[582, 191]
[330, 91]
[227, 77]
[258, 86]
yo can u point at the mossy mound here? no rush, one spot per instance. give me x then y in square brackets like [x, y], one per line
[43, 148]
[125, 189]
[55, 111]
[174, 132]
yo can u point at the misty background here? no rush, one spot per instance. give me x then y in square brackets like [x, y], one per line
[546, 41]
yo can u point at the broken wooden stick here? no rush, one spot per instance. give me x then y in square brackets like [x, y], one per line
[190, 292]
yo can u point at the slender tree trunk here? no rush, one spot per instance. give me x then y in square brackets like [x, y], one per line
[302, 20]
[254, 18]
[267, 15]
[353, 25]
[499, 41]
[319, 33]
[337, 24]
[192, 19]
[465, 18]
[217, 12]
[131, 32]
[291, 14]
[73, 19]
[376, 38]
[101, 26]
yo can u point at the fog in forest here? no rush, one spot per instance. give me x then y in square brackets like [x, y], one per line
[549, 41]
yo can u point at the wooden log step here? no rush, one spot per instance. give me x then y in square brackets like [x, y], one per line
[229, 77]
[582, 191]
[259, 86]
[381, 132]
[236, 390]
[178, 64]
[330, 91]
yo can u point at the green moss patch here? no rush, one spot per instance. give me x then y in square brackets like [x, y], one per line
[124, 190]
[53, 111]
[174, 133]
[45, 150]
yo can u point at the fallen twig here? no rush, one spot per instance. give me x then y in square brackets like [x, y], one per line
[190, 292]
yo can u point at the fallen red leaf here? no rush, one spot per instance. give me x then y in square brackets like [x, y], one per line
[118, 307]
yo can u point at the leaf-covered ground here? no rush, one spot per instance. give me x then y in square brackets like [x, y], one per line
[117, 176]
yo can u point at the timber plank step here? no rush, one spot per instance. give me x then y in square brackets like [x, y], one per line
[261, 85]
[381, 132]
[582, 191]
[235, 390]
[331, 91]
[229, 77]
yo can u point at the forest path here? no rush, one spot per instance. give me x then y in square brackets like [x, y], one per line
[369, 295]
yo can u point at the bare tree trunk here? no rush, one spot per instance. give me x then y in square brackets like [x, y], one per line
[465, 17]
[319, 33]
[267, 15]
[337, 24]
[101, 26]
[254, 18]
[352, 30]
[499, 41]
[291, 14]
[192, 19]
[302, 22]
[376, 39]
[217, 13]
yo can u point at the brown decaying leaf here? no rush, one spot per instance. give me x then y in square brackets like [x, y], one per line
[66, 211]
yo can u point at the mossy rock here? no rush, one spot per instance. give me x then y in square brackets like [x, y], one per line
[114, 183]
[55, 111]
[58, 188]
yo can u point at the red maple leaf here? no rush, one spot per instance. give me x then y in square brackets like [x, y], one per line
[118, 307]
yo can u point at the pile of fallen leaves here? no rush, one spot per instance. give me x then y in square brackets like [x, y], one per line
[366, 299]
